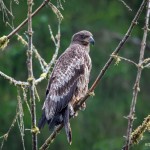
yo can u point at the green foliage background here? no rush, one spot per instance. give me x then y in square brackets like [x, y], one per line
[102, 125]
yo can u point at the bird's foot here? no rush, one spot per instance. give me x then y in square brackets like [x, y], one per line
[83, 106]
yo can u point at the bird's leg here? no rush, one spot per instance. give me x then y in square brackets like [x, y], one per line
[83, 106]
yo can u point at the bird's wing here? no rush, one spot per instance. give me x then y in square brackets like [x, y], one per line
[63, 81]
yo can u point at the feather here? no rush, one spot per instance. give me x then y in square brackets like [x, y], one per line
[65, 115]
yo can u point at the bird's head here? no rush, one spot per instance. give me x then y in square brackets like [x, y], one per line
[83, 37]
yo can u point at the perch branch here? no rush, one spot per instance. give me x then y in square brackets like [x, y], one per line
[51, 137]
[136, 87]
[30, 76]
[99, 77]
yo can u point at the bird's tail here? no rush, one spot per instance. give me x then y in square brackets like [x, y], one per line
[42, 121]
[56, 120]
[65, 116]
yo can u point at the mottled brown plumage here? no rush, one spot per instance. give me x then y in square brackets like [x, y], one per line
[68, 82]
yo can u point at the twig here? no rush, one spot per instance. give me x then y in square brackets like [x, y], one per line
[101, 74]
[44, 74]
[37, 55]
[12, 80]
[20, 118]
[56, 11]
[30, 76]
[5, 11]
[24, 92]
[5, 136]
[125, 59]
[45, 70]
[5, 39]
[125, 4]
[146, 61]
[136, 87]
[26, 20]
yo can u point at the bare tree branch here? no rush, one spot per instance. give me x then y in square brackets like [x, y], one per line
[44, 74]
[99, 77]
[5, 136]
[12, 80]
[26, 20]
[119, 58]
[136, 87]
[126, 5]
[37, 55]
[30, 77]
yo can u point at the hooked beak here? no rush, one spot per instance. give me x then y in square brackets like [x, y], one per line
[91, 40]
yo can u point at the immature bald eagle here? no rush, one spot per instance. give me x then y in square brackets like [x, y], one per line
[68, 82]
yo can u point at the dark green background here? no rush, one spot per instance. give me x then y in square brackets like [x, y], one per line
[102, 125]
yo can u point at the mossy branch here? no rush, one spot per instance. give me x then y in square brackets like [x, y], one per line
[137, 134]
[3, 42]
[136, 87]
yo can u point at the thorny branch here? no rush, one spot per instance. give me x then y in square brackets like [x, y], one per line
[99, 77]
[136, 87]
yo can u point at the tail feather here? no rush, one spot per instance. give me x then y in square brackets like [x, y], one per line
[42, 121]
[51, 122]
[65, 116]
[68, 133]
[57, 120]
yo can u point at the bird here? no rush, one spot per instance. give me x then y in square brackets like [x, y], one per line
[68, 83]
